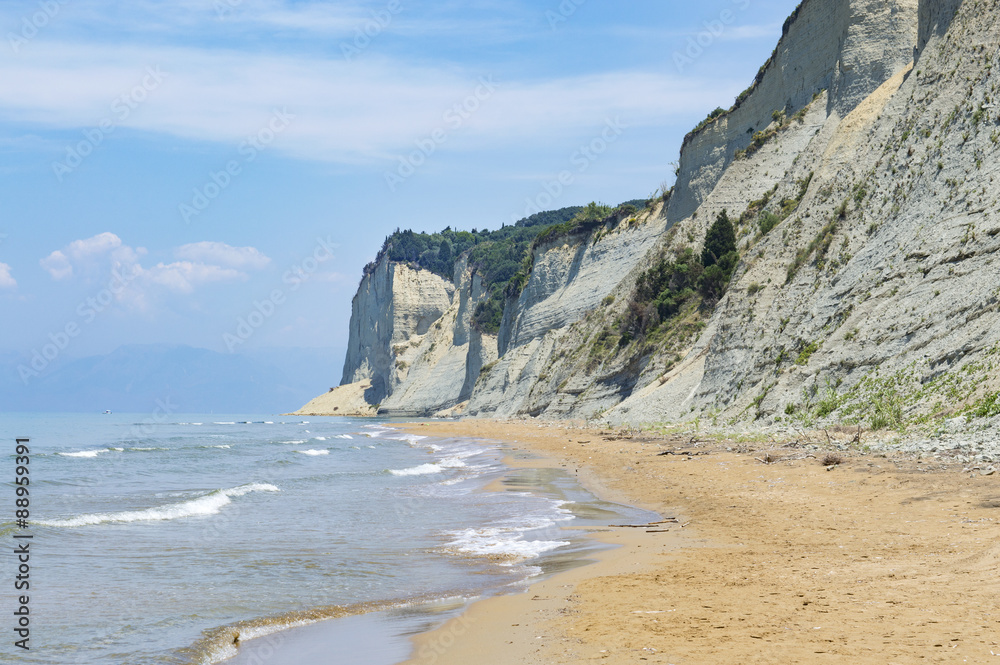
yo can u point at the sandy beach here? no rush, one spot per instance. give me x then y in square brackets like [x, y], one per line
[774, 558]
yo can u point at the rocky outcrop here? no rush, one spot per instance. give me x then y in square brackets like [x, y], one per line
[935, 19]
[846, 47]
[437, 368]
[571, 278]
[876, 301]
[412, 343]
[393, 305]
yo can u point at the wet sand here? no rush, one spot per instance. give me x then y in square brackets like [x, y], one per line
[880, 559]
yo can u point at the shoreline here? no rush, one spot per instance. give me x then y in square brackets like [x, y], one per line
[307, 636]
[878, 559]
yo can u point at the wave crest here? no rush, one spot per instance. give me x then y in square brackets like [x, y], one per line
[209, 504]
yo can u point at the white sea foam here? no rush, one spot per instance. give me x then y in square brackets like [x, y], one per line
[313, 452]
[223, 446]
[85, 453]
[409, 438]
[225, 423]
[319, 438]
[501, 542]
[295, 442]
[425, 469]
[343, 436]
[208, 504]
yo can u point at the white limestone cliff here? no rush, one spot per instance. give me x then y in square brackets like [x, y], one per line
[880, 288]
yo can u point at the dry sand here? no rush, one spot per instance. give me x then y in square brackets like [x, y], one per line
[879, 560]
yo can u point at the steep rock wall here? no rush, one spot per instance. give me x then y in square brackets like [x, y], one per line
[848, 47]
[878, 300]
[878, 287]
[935, 19]
[393, 304]
[437, 367]
[570, 278]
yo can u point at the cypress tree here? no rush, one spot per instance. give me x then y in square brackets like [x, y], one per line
[719, 241]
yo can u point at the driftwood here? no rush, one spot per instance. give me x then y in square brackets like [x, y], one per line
[682, 452]
[669, 520]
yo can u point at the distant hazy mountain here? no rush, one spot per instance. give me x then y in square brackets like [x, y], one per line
[134, 377]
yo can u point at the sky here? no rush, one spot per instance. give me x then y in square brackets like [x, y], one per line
[216, 173]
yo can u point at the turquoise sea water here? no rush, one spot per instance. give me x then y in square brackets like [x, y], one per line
[164, 540]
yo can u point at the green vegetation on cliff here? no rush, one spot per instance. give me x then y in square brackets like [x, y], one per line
[682, 278]
[437, 252]
[501, 258]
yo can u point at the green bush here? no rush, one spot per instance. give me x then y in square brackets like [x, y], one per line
[768, 221]
[719, 241]
[807, 352]
[662, 291]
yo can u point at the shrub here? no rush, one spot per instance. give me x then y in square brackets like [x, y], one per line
[987, 407]
[719, 241]
[807, 352]
[715, 280]
[828, 404]
[768, 221]
[662, 291]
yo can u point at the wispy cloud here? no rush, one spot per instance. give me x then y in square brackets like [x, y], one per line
[185, 276]
[308, 23]
[345, 112]
[219, 253]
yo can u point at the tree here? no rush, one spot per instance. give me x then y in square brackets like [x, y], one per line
[719, 241]
[444, 252]
[719, 258]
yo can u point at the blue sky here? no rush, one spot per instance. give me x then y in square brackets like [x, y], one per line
[178, 171]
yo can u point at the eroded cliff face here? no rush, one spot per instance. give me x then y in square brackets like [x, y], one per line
[846, 47]
[438, 368]
[411, 337]
[875, 298]
[571, 278]
[394, 304]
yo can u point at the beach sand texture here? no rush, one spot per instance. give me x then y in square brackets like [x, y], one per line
[879, 560]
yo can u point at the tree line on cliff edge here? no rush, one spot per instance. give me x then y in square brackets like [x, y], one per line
[501, 258]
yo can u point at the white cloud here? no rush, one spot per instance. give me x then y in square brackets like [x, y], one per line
[367, 109]
[7, 280]
[58, 265]
[184, 276]
[90, 253]
[221, 254]
[105, 254]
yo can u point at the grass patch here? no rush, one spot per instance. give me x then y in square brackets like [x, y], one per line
[807, 352]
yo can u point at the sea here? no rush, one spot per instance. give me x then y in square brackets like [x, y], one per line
[203, 539]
